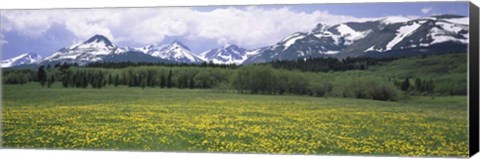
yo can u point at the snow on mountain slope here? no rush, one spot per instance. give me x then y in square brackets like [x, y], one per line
[254, 52]
[151, 48]
[89, 51]
[97, 42]
[349, 34]
[442, 30]
[421, 32]
[23, 59]
[229, 54]
[464, 20]
[176, 51]
[372, 48]
[322, 41]
[402, 32]
[447, 34]
[351, 39]
[291, 39]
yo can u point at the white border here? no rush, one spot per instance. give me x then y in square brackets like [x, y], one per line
[74, 154]
[77, 154]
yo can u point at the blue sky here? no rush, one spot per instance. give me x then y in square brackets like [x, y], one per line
[200, 28]
[362, 10]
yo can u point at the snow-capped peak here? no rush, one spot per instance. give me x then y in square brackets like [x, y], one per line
[179, 44]
[97, 41]
[176, 51]
[89, 51]
[229, 54]
[23, 59]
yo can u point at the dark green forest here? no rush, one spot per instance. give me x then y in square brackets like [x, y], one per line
[368, 78]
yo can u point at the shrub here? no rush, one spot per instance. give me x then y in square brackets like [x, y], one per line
[369, 88]
[16, 78]
[384, 91]
[320, 89]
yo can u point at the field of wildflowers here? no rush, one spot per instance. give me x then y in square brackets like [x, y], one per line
[207, 121]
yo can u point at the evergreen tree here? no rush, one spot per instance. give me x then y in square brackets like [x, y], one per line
[73, 80]
[419, 85]
[135, 81]
[116, 81]
[42, 75]
[100, 80]
[142, 80]
[51, 80]
[84, 81]
[110, 80]
[64, 66]
[66, 79]
[405, 85]
[429, 86]
[192, 83]
[162, 81]
[169, 79]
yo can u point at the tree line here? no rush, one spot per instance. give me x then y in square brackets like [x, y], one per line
[250, 79]
[308, 64]
[137, 64]
[329, 64]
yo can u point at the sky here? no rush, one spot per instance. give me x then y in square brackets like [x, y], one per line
[199, 28]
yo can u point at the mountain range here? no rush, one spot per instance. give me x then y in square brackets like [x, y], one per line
[23, 59]
[229, 54]
[384, 37]
[176, 51]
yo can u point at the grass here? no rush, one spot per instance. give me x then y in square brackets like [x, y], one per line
[155, 119]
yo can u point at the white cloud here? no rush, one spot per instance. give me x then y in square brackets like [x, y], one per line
[29, 23]
[426, 10]
[250, 27]
[81, 23]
